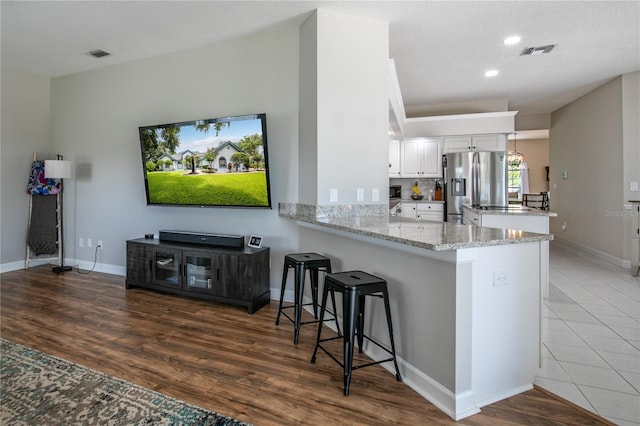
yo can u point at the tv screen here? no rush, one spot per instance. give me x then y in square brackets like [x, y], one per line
[218, 162]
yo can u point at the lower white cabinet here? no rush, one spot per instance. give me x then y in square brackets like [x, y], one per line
[635, 240]
[430, 211]
[408, 210]
[470, 217]
[422, 211]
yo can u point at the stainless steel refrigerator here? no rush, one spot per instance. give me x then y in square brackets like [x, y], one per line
[475, 178]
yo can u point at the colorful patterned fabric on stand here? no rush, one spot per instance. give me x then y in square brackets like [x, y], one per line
[40, 185]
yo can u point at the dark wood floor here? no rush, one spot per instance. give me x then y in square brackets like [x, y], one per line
[220, 358]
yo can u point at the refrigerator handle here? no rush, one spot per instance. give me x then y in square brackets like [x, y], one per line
[475, 179]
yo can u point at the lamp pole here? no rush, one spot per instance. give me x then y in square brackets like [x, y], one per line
[59, 169]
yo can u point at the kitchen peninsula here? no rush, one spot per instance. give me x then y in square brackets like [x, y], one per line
[465, 300]
[514, 217]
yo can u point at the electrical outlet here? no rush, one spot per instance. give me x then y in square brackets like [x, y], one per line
[333, 195]
[89, 243]
[80, 242]
[100, 244]
[500, 278]
[375, 194]
[360, 194]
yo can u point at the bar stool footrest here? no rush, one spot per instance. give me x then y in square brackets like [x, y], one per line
[341, 364]
[314, 321]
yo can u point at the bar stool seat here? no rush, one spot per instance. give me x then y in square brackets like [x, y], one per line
[354, 286]
[301, 262]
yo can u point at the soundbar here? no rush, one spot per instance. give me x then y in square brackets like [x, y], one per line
[215, 240]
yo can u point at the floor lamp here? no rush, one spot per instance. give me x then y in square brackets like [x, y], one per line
[59, 169]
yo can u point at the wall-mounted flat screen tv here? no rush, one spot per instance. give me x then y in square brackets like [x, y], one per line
[218, 162]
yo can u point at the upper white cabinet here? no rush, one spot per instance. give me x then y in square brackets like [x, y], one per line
[475, 143]
[421, 157]
[394, 158]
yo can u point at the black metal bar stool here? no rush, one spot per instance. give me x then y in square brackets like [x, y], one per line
[301, 262]
[355, 285]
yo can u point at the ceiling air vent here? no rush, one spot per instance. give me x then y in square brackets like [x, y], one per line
[537, 50]
[99, 53]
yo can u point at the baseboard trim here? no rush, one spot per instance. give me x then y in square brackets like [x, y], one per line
[75, 264]
[19, 264]
[85, 266]
[581, 249]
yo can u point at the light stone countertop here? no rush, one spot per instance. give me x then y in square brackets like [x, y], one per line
[437, 236]
[513, 209]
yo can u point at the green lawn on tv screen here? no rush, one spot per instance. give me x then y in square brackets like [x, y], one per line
[180, 187]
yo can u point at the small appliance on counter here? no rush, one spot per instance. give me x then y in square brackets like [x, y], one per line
[438, 191]
[395, 196]
[395, 191]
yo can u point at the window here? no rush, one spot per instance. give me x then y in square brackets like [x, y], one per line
[514, 175]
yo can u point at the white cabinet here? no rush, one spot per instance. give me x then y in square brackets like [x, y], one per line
[394, 158]
[421, 157]
[430, 211]
[635, 240]
[422, 211]
[470, 217]
[475, 143]
[408, 210]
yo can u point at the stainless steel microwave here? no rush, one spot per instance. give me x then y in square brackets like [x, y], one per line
[395, 191]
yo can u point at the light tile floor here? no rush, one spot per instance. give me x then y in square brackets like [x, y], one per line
[591, 335]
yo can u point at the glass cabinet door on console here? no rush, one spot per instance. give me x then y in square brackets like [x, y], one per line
[166, 267]
[198, 273]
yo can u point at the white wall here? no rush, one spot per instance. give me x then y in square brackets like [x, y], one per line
[536, 154]
[532, 121]
[308, 110]
[350, 103]
[631, 147]
[586, 140]
[95, 119]
[25, 130]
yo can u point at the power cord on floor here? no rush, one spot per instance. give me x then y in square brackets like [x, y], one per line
[95, 260]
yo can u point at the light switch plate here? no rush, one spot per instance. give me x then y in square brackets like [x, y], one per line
[375, 194]
[633, 186]
[333, 195]
[360, 194]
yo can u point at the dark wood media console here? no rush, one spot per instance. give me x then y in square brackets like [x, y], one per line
[237, 276]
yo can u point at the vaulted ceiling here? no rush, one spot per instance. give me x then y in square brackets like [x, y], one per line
[441, 49]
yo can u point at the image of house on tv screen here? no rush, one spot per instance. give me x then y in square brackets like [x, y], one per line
[217, 162]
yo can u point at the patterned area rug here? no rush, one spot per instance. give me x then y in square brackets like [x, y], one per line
[40, 389]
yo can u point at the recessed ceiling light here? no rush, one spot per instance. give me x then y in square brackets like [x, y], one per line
[491, 73]
[511, 40]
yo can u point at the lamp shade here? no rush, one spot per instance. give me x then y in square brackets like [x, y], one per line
[57, 169]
